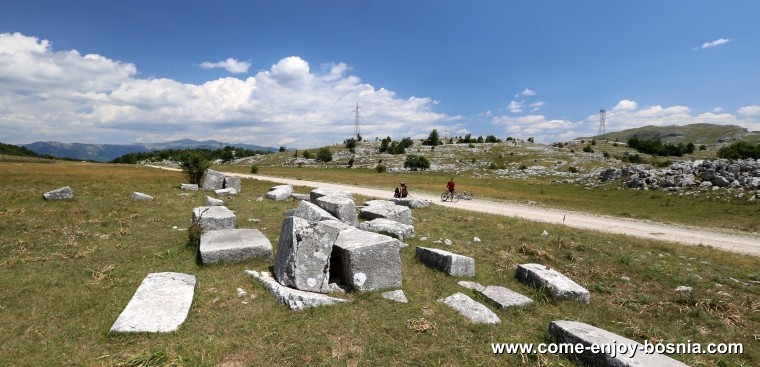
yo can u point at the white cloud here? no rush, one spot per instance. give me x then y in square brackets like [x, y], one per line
[516, 106]
[65, 96]
[536, 126]
[749, 111]
[231, 65]
[625, 105]
[528, 92]
[717, 42]
[536, 106]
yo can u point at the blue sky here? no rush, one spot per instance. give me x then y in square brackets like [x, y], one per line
[290, 72]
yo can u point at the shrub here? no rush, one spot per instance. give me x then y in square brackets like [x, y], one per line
[702, 147]
[572, 169]
[380, 168]
[194, 165]
[605, 155]
[522, 167]
[740, 150]
[433, 139]
[416, 162]
[351, 162]
[254, 168]
[588, 149]
[350, 143]
[306, 154]
[282, 149]
[324, 154]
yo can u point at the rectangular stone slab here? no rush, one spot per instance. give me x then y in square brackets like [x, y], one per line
[389, 227]
[447, 262]
[160, 304]
[558, 285]
[474, 311]
[504, 297]
[234, 245]
[294, 299]
[303, 254]
[366, 261]
[577, 332]
[214, 217]
[213, 181]
[340, 207]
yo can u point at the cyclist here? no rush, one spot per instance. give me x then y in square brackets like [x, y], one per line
[450, 186]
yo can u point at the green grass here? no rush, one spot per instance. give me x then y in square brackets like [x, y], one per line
[68, 269]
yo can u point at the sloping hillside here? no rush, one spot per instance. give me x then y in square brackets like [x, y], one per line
[696, 133]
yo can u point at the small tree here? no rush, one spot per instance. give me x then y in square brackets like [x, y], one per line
[254, 168]
[350, 143]
[530, 140]
[380, 168]
[194, 166]
[588, 149]
[351, 162]
[416, 162]
[282, 149]
[306, 154]
[324, 154]
[433, 139]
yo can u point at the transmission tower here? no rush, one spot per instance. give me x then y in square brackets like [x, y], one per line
[602, 122]
[357, 116]
[446, 134]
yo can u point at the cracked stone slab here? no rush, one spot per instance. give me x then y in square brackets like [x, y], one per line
[327, 191]
[367, 261]
[474, 311]
[214, 217]
[138, 196]
[504, 297]
[160, 304]
[558, 285]
[397, 295]
[447, 262]
[340, 207]
[309, 211]
[214, 180]
[214, 201]
[64, 193]
[280, 192]
[303, 254]
[387, 210]
[294, 299]
[575, 332]
[304, 197]
[388, 227]
[232, 182]
[234, 245]
[471, 285]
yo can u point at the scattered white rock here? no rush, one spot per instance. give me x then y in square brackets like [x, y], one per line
[544, 233]
[625, 279]
[475, 239]
[397, 295]
[241, 292]
[138, 196]
[471, 285]
[469, 308]
[64, 193]
[683, 289]
[447, 242]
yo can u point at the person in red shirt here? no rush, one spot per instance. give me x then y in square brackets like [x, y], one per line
[450, 185]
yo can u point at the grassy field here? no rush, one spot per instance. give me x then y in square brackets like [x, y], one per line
[707, 211]
[68, 269]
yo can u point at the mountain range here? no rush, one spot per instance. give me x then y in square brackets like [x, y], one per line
[108, 152]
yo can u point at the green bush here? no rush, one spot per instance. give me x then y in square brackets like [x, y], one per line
[416, 162]
[255, 169]
[324, 154]
[351, 162]
[306, 154]
[740, 150]
[433, 139]
[588, 149]
[194, 165]
[380, 168]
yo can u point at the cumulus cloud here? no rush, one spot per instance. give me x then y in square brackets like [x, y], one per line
[536, 126]
[749, 111]
[625, 105]
[516, 106]
[717, 42]
[231, 65]
[528, 92]
[65, 96]
[535, 106]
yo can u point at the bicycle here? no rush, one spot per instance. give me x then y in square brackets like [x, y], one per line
[466, 196]
[450, 196]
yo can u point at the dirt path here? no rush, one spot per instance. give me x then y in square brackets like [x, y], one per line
[743, 244]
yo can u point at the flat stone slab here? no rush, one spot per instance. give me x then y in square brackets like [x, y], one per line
[633, 356]
[231, 182]
[138, 196]
[303, 254]
[471, 285]
[558, 285]
[304, 197]
[214, 217]
[294, 299]
[160, 304]
[387, 210]
[280, 193]
[193, 187]
[226, 192]
[309, 211]
[504, 297]
[214, 201]
[214, 180]
[411, 203]
[64, 193]
[326, 191]
[388, 227]
[366, 261]
[397, 295]
[340, 207]
[234, 245]
[447, 262]
[471, 309]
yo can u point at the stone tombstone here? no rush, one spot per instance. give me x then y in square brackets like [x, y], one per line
[340, 207]
[160, 304]
[213, 181]
[303, 255]
[214, 217]
[234, 245]
[447, 262]
[138, 196]
[366, 261]
[558, 285]
[387, 210]
[232, 182]
[294, 299]
[474, 311]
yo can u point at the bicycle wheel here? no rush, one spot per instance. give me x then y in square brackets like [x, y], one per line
[455, 197]
[444, 196]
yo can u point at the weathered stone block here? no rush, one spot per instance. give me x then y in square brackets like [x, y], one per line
[397, 295]
[138, 196]
[558, 285]
[309, 211]
[304, 197]
[225, 192]
[340, 207]
[213, 201]
[214, 180]
[326, 191]
[386, 210]
[303, 254]
[294, 299]
[279, 193]
[574, 332]
[193, 187]
[232, 182]
[214, 217]
[160, 304]
[411, 203]
[471, 309]
[504, 297]
[64, 193]
[389, 227]
[234, 245]
[367, 261]
[447, 262]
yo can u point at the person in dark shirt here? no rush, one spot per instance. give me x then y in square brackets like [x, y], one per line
[401, 191]
[450, 186]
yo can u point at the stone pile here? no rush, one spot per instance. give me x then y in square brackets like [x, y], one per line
[700, 175]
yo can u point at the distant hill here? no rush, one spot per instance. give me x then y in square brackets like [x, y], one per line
[108, 152]
[707, 134]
